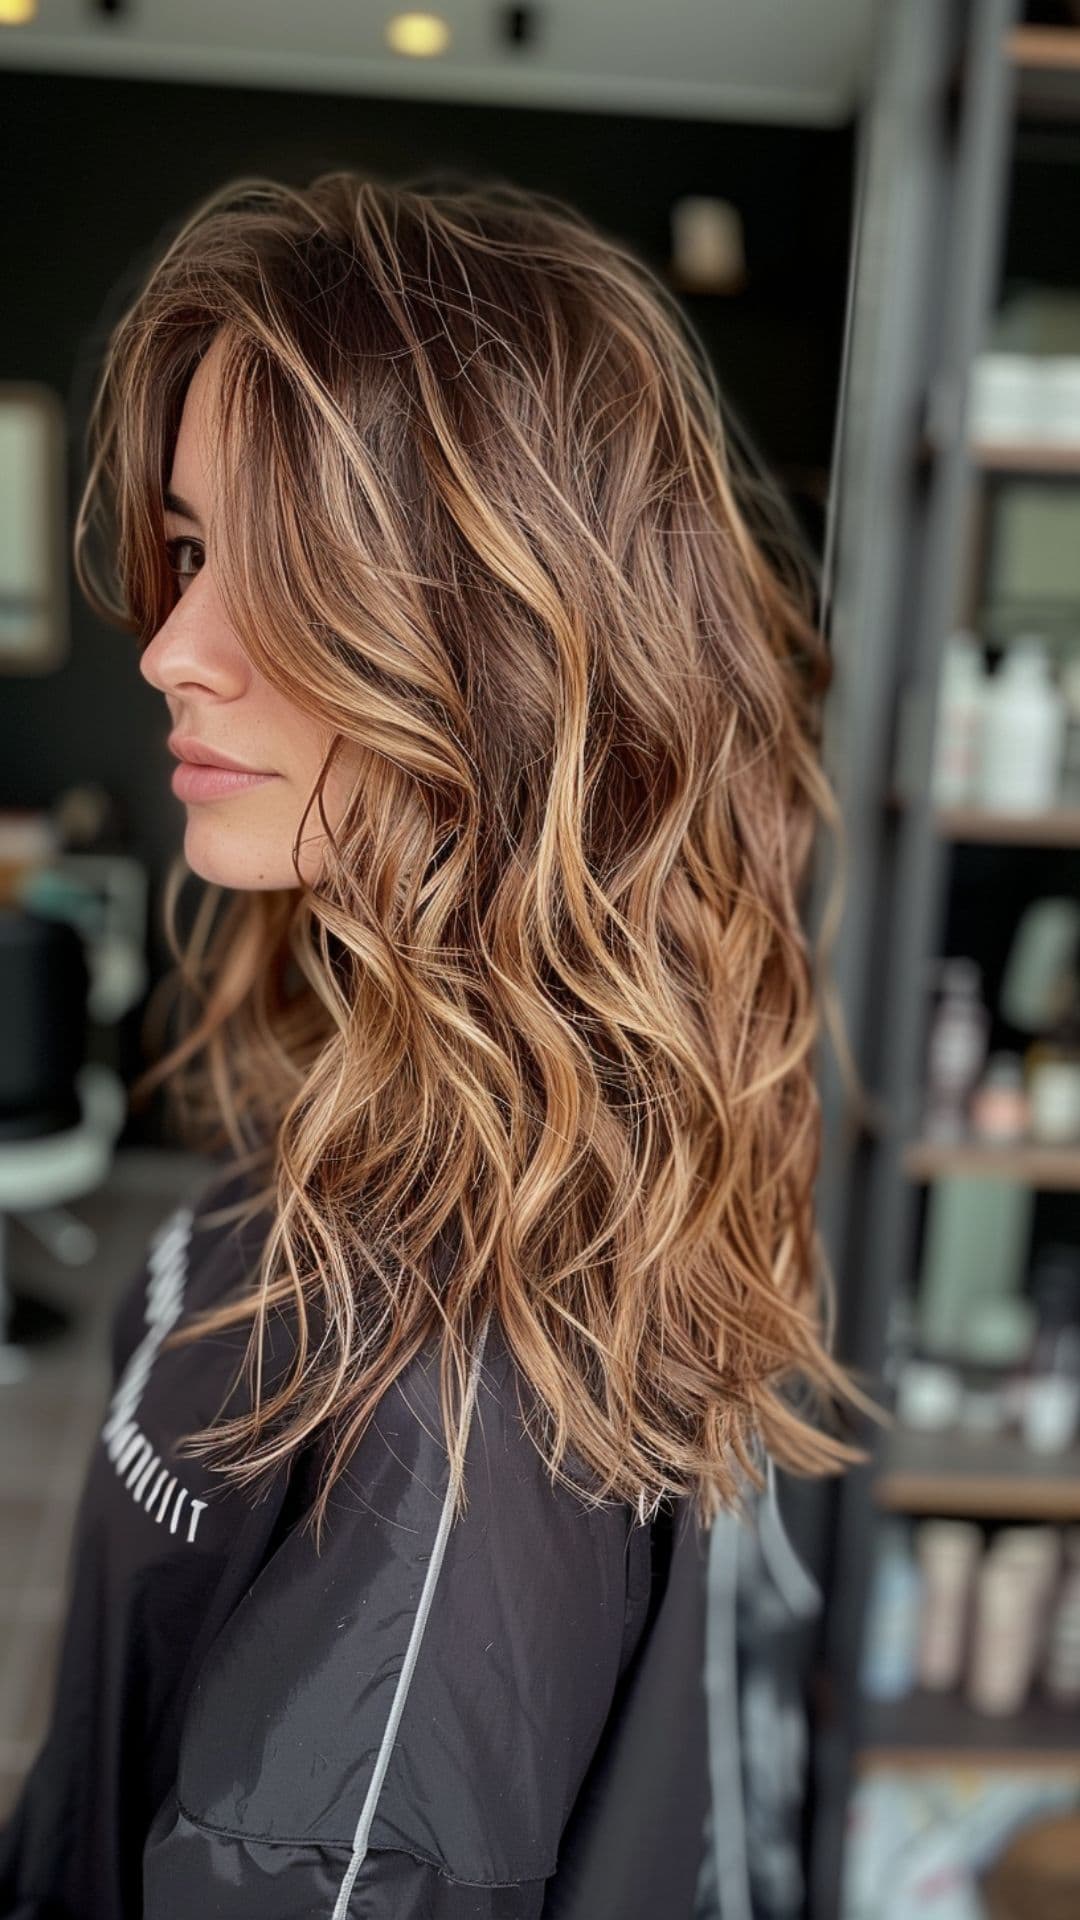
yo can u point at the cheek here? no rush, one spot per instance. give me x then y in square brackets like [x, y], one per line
[341, 784]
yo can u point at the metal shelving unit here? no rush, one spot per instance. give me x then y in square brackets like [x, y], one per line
[951, 79]
[950, 76]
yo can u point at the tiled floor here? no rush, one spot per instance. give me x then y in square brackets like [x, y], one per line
[49, 1423]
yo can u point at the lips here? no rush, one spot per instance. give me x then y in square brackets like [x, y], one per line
[192, 781]
[197, 753]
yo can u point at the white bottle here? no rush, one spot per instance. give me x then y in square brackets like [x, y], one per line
[955, 1050]
[1023, 733]
[891, 1628]
[1005, 1634]
[949, 1552]
[958, 726]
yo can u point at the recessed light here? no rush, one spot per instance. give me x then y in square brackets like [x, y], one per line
[420, 35]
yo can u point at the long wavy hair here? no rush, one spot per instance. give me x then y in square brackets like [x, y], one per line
[540, 1039]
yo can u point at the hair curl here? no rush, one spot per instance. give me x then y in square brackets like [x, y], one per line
[550, 1005]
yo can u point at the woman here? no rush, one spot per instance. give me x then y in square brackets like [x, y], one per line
[496, 733]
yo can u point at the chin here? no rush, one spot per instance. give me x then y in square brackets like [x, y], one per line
[226, 857]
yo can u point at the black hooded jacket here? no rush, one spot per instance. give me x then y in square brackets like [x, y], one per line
[498, 1719]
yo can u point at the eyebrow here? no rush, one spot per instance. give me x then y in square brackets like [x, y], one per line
[174, 504]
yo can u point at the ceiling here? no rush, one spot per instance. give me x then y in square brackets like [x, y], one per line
[796, 61]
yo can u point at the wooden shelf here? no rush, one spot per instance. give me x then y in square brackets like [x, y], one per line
[1044, 47]
[931, 1730]
[1059, 828]
[982, 826]
[1047, 1168]
[977, 1477]
[1046, 63]
[1037, 458]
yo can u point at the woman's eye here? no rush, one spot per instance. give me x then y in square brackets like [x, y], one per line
[180, 568]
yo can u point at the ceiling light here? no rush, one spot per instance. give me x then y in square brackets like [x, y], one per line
[15, 13]
[417, 34]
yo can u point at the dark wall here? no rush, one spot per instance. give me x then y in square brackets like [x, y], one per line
[1041, 229]
[93, 169]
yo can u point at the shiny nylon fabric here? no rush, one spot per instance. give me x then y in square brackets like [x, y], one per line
[552, 1740]
[225, 1874]
[547, 1754]
[515, 1674]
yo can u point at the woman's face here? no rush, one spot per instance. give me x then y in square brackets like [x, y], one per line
[240, 830]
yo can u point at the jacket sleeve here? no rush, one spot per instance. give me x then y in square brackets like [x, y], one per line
[399, 1725]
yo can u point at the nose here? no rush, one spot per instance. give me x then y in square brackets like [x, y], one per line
[195, 648]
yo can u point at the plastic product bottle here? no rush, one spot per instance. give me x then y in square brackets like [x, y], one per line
[1054, 1081]
[958, 728]
[1008, 1605]
[1061, 1673]
[1038, 1550]
[1023, 733]
[949, 1552]
[956, 1049]
[892, 1621]
[1051, 1398]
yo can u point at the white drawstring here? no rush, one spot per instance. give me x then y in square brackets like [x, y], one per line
[797, 1587]
[725, 1744]
[802, 1597]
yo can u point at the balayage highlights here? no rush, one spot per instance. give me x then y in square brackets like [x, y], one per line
[540, 1036]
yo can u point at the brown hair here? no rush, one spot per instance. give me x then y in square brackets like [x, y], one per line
[551, 1000]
